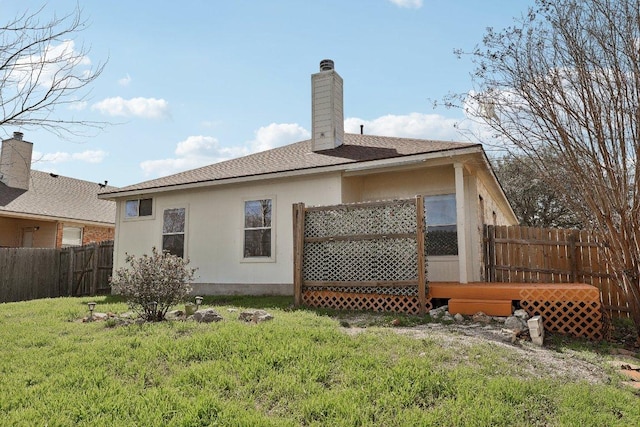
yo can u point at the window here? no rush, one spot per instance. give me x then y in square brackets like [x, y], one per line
[71, 236]
[257, 228]
[138, 207]
[173, 222]
[442, 234]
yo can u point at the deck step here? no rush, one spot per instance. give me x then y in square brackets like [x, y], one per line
[472, 306]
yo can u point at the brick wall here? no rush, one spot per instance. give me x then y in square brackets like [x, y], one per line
[90, 233]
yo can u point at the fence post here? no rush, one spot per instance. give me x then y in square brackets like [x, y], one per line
[298, 251]
[491, 252]
[94, 266]
[420, 236]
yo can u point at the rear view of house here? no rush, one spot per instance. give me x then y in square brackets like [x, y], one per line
[45, 210]
[233, 219]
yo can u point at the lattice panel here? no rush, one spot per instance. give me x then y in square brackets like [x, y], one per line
[363, 302]
[361, 260]
[567, 311]
[399, 217]
[383, 290]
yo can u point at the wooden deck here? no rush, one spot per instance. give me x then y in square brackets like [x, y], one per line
[570, 308]
[508, 291]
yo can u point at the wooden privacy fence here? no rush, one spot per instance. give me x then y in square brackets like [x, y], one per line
[30, 273]
[363, 256]
[515, 254]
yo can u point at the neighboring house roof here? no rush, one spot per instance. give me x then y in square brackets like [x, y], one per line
[300, 156]
[58, 197]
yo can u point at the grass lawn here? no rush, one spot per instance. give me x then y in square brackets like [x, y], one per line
[299, 369]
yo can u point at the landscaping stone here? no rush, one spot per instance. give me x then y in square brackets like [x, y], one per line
[206, 316]
[255, 316]
[515, 324]
[438, 312]
[522, 314]
[480, 317]
[458, 318]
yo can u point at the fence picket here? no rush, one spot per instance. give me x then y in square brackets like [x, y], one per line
[32, 273]
[525, 254]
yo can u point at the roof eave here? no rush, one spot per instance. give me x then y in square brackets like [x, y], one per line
[346, 167]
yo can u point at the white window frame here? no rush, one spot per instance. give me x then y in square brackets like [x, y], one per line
[184, 232]
[259, 259]
[69, 227]
[139, 217]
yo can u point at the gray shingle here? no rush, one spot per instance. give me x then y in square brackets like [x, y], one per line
[299, 156]
[58, 197]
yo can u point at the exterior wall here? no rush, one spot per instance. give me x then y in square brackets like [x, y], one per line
[12, 231]
[214, 232]
[489, 212]
[407, 184]
[94, 234]
[90, 233]
[214, 229]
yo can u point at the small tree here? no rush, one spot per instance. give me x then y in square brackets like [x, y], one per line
[43, 71]
[153, 283]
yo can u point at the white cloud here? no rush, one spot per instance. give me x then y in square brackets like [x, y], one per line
[124, 81]
[78, 105]
[276, 135]
[53, 60]
[408, 4]
[413, 125]
[196, 151]
[193, 152]
[150, 108]
[88, 156]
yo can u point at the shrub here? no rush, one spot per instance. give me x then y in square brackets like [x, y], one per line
[153, 283]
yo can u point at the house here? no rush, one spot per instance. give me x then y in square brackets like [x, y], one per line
[233, 219]
[45, 210]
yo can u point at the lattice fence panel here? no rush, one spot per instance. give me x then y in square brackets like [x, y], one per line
[383, 290]
[346, 220]
[355, 301]
[573, 312]
[365, 260]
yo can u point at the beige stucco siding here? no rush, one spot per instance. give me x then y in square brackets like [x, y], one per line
[215, 228]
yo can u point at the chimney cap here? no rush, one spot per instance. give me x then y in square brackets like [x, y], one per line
[18, 135]
[326, 65]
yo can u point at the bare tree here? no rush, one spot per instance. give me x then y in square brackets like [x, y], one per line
[535, 203]
[41, 70]
[564, 81]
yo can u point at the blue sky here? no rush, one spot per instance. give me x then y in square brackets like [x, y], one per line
[195, 82]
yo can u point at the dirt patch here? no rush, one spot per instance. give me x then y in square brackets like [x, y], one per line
[533, 361]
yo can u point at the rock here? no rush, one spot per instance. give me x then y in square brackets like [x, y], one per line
[447, 317]
[458, 318]
[395, 322]
[480, 317]
[255, 316]
[174, 315]
[522, 314]
[99, 316]
[232, 310]
[516, 324]
[438, 312]
[206, 316]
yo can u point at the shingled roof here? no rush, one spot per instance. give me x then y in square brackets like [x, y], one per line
[299, 156]
[58, 197]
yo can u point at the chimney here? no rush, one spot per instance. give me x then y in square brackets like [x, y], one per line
[15, 162]
[327, 118]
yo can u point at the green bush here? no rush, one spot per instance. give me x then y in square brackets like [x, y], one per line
[153, 283]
